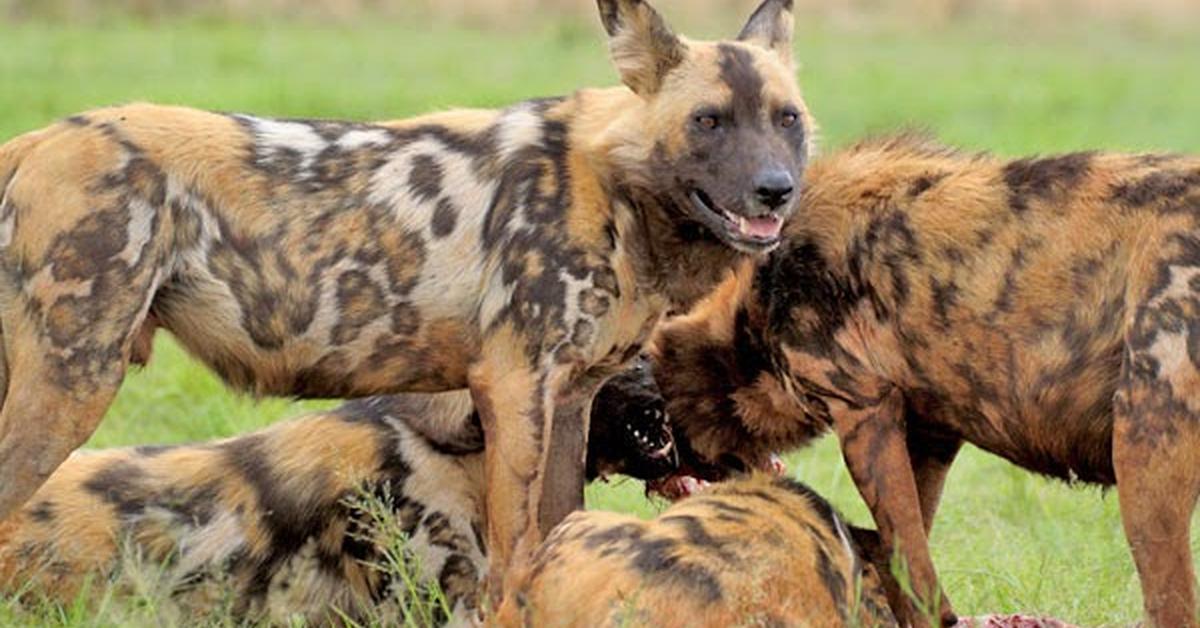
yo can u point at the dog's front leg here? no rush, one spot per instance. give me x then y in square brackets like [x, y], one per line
[533, 458]
[873, 442]
[564, 468]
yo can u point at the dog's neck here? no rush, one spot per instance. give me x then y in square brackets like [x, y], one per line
[671, 254]
[678, 258]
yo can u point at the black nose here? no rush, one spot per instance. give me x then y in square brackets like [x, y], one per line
[774, 187]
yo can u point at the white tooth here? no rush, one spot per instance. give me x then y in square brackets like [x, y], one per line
[742, 224]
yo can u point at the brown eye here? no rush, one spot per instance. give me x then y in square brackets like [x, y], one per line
[708, 122]
[789, 119]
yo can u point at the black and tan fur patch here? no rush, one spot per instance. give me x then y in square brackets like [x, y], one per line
[752, 552]
[297, 520]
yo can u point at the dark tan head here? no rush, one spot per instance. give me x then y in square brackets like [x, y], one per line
[717, 368]
[721, 133]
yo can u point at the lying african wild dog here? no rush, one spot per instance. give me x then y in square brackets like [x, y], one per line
[1044, 309]
[523, 253]
[752, 552]
[269, 520]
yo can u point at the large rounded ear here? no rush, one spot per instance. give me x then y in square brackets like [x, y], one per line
[643, 48]
[771, 27]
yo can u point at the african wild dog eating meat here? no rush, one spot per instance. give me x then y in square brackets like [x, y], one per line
[523, 253]
[1044, 309]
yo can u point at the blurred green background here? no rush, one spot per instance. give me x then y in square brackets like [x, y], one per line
[1010, 76]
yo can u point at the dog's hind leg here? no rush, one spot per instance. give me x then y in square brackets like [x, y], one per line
[45, 416]
[64, 369]
[1156, 447]
[87, 248]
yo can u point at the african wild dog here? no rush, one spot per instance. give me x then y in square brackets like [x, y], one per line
[269, 520]
[523, 253]
[753, 552]
[1044, 309]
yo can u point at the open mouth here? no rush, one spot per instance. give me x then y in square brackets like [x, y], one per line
[660, 447]
[758, 231]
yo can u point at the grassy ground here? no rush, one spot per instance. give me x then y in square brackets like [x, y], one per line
[1005, 540]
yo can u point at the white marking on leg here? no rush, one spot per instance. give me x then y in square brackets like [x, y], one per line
[1170, 348]
[7, 223]
[141, 217]
[572, 315]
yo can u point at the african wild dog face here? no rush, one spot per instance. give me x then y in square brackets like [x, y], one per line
[630, 432]
[725, 134]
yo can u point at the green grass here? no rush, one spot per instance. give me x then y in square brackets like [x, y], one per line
[1005, 540]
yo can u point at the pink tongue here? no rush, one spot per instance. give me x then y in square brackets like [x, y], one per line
[761, 227]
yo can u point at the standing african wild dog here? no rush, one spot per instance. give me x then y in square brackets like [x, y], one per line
[271, 523]
[754, 552]
[522, 253]
[1044, 309]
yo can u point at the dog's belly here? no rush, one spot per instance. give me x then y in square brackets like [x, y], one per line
[1072, 446]
[1043, 417]
[329, 301]
[336, 335]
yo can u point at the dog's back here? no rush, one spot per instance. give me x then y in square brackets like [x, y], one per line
[759, 551]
